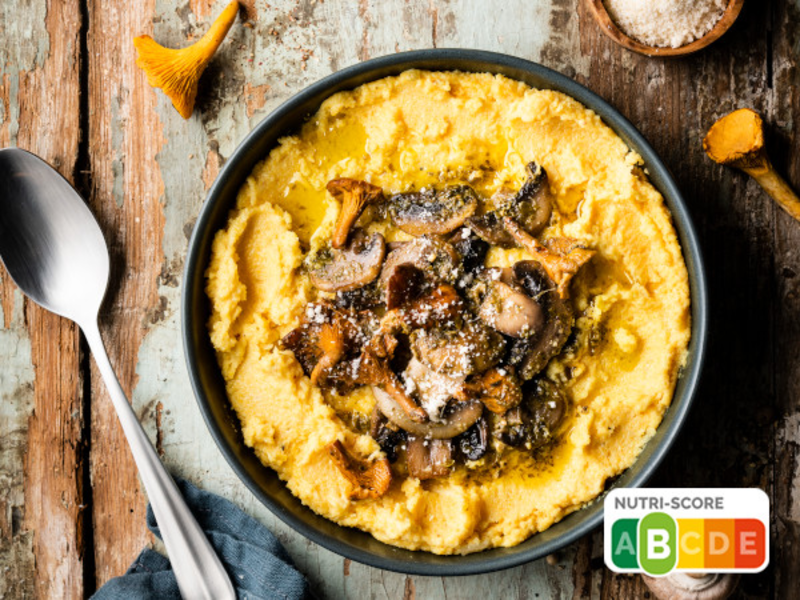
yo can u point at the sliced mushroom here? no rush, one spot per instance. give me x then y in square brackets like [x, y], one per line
[432, 389]
[368, 479]
[433, 212]
[490, 228]
[531, 355]
[455, 421]
[472, 249]
[511, 311]
[429, 459]
[537, 420]
[359, 299]
[474, 442]
[375, 372]
[531, 208]
[354, 196]
[499, 390]
[351, 267]
[387, 434]
[435, 257]
[404, 285]
[562, 261]
[458, 353]
[533, 204]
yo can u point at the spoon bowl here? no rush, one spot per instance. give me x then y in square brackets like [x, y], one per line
[51, 244]
[54, 251]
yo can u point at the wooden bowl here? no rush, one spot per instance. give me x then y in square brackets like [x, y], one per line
[607, 25]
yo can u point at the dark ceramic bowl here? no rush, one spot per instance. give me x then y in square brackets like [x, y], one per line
[207, 380]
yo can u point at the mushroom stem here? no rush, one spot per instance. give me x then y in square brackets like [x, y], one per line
[737, 140]
[331, 342]
[177, 72]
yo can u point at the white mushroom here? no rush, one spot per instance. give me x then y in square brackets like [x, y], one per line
[692, 586]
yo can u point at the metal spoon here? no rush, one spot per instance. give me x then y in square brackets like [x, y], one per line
[54, 251]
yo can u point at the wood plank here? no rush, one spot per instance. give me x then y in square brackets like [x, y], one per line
[41, 391]
[785, 148]
[673, 102]
[124, 138]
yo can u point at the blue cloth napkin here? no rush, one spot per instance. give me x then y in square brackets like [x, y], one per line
[258, 565]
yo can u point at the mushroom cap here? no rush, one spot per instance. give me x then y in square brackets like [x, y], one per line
[530, 355]
[536, 421]
[511, 311]
[429, 459]
[473, 348]
[685, 586]
[433, 256]
[351, 267]
[474, 442]
[533, 204]
[735, 138]
[404, 285]
[433, 212]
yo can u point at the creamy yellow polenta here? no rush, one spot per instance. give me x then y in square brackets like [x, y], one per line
[434, 128]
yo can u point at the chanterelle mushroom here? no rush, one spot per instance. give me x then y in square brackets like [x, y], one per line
[497, 388]
[354, 195]
[326, 338]
[177, 72]
[368, 480]
[433, 212]
[562, 260]
[348, 268]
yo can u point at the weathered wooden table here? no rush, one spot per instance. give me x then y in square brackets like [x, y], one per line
[71, 506]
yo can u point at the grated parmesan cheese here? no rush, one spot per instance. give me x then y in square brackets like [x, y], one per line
[666, 23]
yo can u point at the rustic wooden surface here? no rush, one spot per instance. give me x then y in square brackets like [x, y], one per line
[71, 507]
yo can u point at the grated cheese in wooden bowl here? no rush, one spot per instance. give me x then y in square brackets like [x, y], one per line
[666, 23]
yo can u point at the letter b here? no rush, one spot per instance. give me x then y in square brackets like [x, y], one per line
[658, 543]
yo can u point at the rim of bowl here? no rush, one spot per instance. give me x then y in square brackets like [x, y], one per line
[577, 523]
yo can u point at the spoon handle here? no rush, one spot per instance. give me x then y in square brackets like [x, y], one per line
[197, 568]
